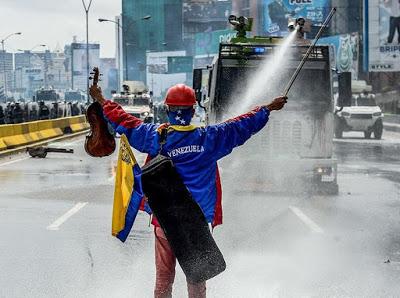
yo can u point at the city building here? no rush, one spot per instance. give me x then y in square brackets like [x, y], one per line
[203, 16]
[109, 79]
[348, 17]
[119, 56]
[27, 81]
[23, 59]
[6, 68]
[162, 32]
[56, 72]
[167, 68]
[77, 63]
[44, 69]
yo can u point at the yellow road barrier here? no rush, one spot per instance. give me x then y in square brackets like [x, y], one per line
[79, 127]
[15, 135]
[3, 146]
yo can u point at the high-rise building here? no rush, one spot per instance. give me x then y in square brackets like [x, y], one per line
[348, 17]
[27, 81]
[162, 32]
[109, 78]
[35, 70]
[23, 59]
[203, 16]
[57, 74]
[78, 63]
[6, 67]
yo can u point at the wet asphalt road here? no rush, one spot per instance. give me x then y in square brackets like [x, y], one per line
[55, 219]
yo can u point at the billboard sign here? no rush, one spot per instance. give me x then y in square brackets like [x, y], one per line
[79, 74]
[346, 52]
[382, 35]
[79, 57]
[207, 43]
[277, 13]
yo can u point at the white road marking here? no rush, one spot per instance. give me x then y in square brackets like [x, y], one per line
[308, 221]
[58, 222]
[13, 161]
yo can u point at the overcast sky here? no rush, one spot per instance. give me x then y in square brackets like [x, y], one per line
[53, 22]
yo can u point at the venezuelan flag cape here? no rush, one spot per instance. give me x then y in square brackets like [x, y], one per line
[128, 193]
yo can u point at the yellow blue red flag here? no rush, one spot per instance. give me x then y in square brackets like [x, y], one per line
[128, 193]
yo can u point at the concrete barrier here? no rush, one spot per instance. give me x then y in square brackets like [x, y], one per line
[16, 135]
[79, 127]
[77, 124]
[3, 146]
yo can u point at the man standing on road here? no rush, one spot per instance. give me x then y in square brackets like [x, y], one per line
[197, 164]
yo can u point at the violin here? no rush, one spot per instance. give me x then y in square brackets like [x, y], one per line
[99, 142]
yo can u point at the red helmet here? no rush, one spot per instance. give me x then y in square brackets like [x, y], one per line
[180, 95]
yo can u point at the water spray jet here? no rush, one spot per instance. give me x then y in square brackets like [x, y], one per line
[303, 61]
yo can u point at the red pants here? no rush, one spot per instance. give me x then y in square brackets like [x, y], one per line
[165, 270]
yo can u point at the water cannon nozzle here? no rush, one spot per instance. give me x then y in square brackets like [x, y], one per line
[292, 25]
[300, 25]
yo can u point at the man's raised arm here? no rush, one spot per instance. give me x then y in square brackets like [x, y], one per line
[224, 137]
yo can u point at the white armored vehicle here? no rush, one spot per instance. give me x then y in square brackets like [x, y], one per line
[136, 100]
[363, 115]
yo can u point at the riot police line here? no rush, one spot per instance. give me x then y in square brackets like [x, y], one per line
[20, 112]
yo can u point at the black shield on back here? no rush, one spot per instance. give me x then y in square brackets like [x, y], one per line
[182, 221]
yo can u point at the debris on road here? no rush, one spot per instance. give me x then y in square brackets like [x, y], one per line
[41, 152]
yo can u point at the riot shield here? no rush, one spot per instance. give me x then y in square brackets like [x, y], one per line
[182, 221]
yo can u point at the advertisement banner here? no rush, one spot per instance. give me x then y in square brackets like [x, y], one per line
[383, 35]
[79, 57]
[346, 52]
[277, 13]
[207, 43]
[79, 75]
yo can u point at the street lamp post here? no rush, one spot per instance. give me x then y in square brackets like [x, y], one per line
[87, 8]
[4, 60]
[118, 48]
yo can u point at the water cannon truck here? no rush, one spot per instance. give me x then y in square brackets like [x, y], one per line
[295, 151]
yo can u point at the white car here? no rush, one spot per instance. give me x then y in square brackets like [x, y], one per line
[363, 115]
[138, 105]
